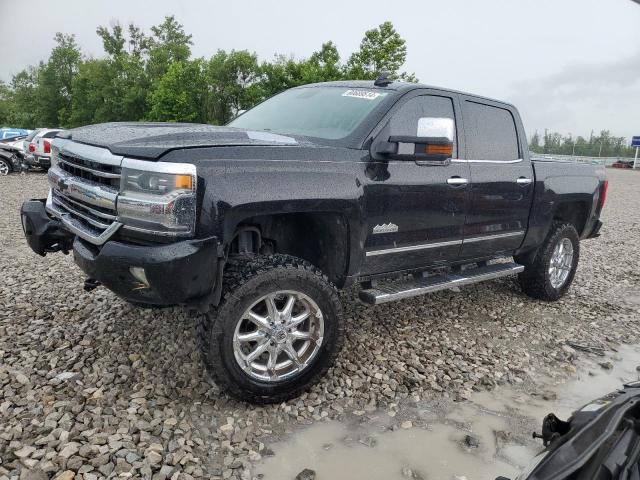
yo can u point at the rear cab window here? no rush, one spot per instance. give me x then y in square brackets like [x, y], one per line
[490, 132]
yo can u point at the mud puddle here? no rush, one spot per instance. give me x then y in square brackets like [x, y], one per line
[487, 436]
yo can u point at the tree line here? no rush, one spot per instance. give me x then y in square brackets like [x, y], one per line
[152, 76]
[603, 145]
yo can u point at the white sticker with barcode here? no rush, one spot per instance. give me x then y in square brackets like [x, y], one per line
[364, 94]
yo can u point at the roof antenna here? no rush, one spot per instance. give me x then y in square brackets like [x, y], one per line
[383, 80]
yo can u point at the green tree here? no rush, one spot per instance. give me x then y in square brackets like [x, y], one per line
[129, 84]
[280, 74]
[168, 44]
[6, 104]
[283, 73]
[382, 50]
[54, 92]
[24, 86]
[233, 84]
[93, 95]
[323, 65]
[603, 145]
[534, 143]
[178, 96]
[152, 76]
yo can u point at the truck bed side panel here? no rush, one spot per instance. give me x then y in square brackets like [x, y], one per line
[558, 183]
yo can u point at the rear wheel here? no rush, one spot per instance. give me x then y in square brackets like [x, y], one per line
[277, 329]
[550, 271]
[5, 167]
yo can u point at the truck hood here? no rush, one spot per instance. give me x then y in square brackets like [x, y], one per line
[152, 140]
[603, 432]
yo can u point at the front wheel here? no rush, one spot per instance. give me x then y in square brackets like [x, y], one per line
[276, 331]
[549, 273]
[5, 167]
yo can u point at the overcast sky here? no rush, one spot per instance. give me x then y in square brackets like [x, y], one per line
[569, 65]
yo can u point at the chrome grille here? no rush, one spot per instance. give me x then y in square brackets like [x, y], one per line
[92, 216]
[90, 170]
[84, 186]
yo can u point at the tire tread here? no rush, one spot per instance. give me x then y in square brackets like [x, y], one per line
[238, 271]
[534, 279]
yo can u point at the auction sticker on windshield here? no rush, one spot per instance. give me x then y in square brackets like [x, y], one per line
[364, 94]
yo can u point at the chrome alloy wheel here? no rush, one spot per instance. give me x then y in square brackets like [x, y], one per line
[561, 263]
[4, 168]
[278, 336]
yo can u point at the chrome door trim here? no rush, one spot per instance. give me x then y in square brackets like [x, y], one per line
[461, 160]
[424, 246]
[494, 236]
[411, 248]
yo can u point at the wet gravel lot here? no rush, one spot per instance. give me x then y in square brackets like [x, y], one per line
[92, 387]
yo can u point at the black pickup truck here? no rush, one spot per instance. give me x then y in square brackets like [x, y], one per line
[401, 188]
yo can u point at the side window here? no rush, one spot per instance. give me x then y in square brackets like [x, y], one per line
[490, 132]
[405, 120]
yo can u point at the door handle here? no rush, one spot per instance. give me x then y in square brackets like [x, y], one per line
[524, 181]
[457, 181]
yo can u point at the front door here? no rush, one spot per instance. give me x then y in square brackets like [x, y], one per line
[502, 185]
[415, 212]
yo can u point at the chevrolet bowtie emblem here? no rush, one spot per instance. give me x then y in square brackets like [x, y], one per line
[385, 228]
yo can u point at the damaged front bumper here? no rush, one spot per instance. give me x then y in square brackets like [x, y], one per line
[183, 272]
[44, 235]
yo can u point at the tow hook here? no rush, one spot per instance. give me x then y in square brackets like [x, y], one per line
[552, 428]
[91, 284]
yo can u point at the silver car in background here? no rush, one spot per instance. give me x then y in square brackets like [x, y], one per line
[37, 147]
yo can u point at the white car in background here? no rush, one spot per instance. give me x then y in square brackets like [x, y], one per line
[37, 147]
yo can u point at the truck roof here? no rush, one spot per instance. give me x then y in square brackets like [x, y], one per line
[397, 86]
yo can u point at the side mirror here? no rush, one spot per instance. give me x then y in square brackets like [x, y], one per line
[433, 142]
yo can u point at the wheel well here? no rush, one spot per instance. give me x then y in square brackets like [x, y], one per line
[319, 238]
[8, 160]
[573, 212]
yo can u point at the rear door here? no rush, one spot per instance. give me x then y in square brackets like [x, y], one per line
[501, 179]
[415, 211]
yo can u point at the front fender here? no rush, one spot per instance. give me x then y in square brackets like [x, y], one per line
[237, 190]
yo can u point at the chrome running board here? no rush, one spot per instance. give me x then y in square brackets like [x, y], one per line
[389, 292]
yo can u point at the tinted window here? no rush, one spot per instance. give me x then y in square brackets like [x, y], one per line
[50, 134]
[324, 112]
[405, 120]
[490, 133]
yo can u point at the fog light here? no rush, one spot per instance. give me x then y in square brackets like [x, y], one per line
[140, 275]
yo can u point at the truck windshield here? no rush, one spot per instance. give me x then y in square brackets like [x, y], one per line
[324, 112]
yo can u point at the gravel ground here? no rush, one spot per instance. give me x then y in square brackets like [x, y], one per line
[93, 387]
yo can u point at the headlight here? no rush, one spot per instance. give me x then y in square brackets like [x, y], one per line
[158, 197]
